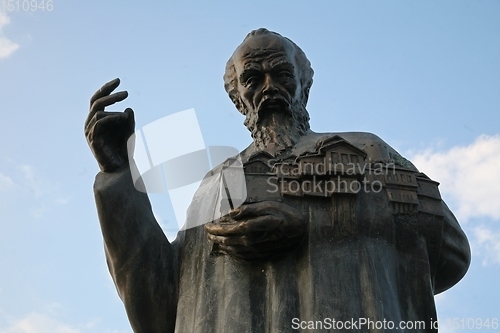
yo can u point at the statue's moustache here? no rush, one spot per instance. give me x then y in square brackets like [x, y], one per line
[271, 105]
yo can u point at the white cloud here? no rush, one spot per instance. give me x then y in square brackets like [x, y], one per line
[62, 201]
[469, 176]
[4, 20]
[39, 323]
[23, 184]
[41, 189]
[440, 299]
[47, 321]
[7, 47]
[37, 186]
[6, 183]
[93, 323]
[487, 244]
[470, 180]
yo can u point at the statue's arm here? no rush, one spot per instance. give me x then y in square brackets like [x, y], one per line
[448, 247]
[141, 261]
[454, 253]
[450, 253]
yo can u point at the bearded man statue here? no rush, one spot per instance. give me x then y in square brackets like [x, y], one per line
[344, 234]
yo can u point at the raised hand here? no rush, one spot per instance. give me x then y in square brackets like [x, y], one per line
[258, 230]
[107, 132]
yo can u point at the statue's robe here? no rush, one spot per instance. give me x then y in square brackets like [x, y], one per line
[359, 259]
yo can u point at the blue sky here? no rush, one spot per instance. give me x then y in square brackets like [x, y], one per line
[424, 76]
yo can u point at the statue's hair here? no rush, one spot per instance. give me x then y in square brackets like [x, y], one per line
[305, 71]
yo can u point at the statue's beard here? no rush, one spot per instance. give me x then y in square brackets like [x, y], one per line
[278, 128]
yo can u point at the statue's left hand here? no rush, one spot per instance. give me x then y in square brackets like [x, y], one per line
[258, 230]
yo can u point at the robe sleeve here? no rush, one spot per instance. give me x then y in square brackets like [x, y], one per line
[454, 253]
[140, 259]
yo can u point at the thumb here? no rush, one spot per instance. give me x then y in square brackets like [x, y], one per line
[130, 118]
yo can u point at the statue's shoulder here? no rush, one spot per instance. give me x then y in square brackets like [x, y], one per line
[376, 149]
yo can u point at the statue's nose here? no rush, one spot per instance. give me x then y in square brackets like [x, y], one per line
[270, 87]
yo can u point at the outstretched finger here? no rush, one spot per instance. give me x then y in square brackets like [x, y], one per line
[101, 103]
[105, 90]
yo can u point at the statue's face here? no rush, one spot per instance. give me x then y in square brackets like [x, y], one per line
[267, 74]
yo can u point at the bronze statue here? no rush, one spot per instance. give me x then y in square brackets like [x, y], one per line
[373, 243]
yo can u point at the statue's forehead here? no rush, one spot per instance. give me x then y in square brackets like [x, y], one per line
[269, 56]
[259, 49]
[266, 45]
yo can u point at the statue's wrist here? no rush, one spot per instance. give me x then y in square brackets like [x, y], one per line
[114, 167]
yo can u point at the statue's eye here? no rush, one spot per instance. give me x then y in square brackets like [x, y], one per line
[251, 81]
[285, 75]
